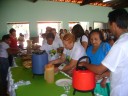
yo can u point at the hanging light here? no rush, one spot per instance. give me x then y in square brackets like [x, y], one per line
[106, 0]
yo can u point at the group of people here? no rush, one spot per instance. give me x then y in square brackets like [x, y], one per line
[76, 46]
[115, 62]
[8, 48]
[73, 46]
[107, 61]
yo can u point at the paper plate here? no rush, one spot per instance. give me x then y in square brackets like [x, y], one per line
[62, 82]
[63, 95]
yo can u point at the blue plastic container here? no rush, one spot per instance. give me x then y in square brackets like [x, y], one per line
[39, 60]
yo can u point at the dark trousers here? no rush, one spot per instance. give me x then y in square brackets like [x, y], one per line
[10, 59]
[4, 65]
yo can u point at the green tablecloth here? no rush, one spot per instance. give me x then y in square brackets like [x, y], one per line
[18, 61]
[38, 86]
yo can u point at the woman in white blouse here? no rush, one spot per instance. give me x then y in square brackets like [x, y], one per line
[71, 54]
[80, 36]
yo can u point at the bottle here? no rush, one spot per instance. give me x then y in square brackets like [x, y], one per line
[29, 46]
[49, 73]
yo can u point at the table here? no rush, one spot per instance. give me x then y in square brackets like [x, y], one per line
[38, 86]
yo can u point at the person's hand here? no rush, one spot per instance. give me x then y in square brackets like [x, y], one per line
[16, 51]
[82, 63]
[48, 65]
[106, 74]
[85, 63]
[98, 77]
[103, 82]
[60, 50]
[51, 62]
[56, 70]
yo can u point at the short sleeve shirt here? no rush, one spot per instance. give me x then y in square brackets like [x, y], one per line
[51, 49]
[84, 39]
[76, 53]
[13, 42]
[100, 54]
[117, 62]
[3, 49]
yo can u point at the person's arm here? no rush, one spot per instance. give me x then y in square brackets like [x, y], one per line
[18, 39]
[23, 39]
[98, 69]
[71, 65]
[84, 44]
[13, 50]
[84, 41]
[104, 78]
[106, 74]
[59, 60]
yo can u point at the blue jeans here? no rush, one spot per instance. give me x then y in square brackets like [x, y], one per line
[4, 65]
[10, 60]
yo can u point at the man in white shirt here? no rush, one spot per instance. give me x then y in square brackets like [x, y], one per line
[117, 58]
[57, 37]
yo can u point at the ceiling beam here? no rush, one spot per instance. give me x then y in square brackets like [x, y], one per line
[113, 3]
[85, 2]
[121, 5]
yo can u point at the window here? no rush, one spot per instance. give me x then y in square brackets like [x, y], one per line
[20, 27]
[100, 25]
[41, 25]
[85, 25]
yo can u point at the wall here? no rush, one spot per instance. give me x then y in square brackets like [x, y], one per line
[25, 10]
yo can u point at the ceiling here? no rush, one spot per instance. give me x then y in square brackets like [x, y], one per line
[115, 4]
